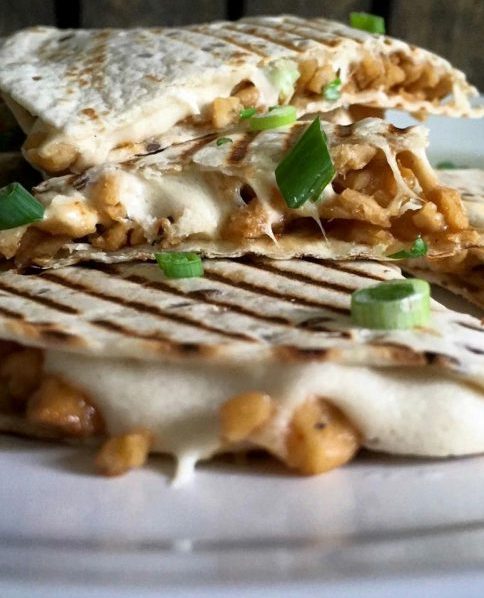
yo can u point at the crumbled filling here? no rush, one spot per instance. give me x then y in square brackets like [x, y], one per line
[46, 400]
[362, 205]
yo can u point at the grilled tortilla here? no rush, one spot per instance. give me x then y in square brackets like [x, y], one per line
[222, 200]
[90, 96]
[256, 354]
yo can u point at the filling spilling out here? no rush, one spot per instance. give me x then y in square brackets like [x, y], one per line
[317, 438]
[118, 208]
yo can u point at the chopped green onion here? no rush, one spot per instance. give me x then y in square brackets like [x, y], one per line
[277, 117]
[418, 249]
[446, 165]
[307, 169]
[18, 207]
[392, 305]
[224, 140]
[246, 113]
[180, 265]
[367, 22]
[283, 74]
[332, 91]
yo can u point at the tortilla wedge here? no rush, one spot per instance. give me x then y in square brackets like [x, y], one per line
[174, 84]
[256, 354]
[223, 200]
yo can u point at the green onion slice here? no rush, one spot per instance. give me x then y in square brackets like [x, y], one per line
[392, 305]
[418, 249]
[18, 207]
[179, 264]
[332, 91]
[246, 113]
[307, 169]
[224, 140]
[277, 117]
[446, 165]
[367, 22]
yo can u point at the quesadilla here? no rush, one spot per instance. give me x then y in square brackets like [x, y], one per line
[462, 273]
[224, 200]
[257, 354]
[85, 97]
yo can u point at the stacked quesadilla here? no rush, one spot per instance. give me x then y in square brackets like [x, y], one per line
[234, 140]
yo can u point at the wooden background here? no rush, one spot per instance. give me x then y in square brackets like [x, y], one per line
[453, 28]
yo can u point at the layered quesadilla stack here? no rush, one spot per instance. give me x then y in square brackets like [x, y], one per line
[229, 141]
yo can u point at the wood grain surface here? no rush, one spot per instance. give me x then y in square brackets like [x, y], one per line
[16, 14]
[452, 28]
[331, 9]
[131, 13]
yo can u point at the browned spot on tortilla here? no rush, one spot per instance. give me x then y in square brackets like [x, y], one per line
[154, 78]
[394, 353]
[239, 149]
[293, 353]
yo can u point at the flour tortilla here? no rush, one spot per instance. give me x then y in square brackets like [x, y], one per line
[85, 96]
[223, 201]
[165, 354]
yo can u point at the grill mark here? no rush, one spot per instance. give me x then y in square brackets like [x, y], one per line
[38, 299]
[197, 30]
[218, 34]
[340, 288]
[125, 331]
[308, 325]
[471, 327]
[11, 314]
[239, 149]
[324, 37]
[474, 350]
[203, 298]
[184, 348]
[254, 31]
[144, 308]
[191, 44]
[337, 266]
[195, 147]
[262, 290]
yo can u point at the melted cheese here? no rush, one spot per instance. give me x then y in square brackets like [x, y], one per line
[409, 411]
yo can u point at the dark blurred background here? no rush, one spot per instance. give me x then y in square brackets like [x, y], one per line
[452, 28]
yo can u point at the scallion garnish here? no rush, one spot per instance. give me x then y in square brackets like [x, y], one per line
[367, 22]
[246, 113]
[177, 264]
[18, 207]
[277, 117]
[418, 249]
[305, 171]
[332, 91]
[392, 305]
[446, 165]
[224, 140]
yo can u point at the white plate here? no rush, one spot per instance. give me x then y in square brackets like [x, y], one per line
[377, 527]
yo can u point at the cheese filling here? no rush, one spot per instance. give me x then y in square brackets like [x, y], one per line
[384, 195]
[410, 411]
